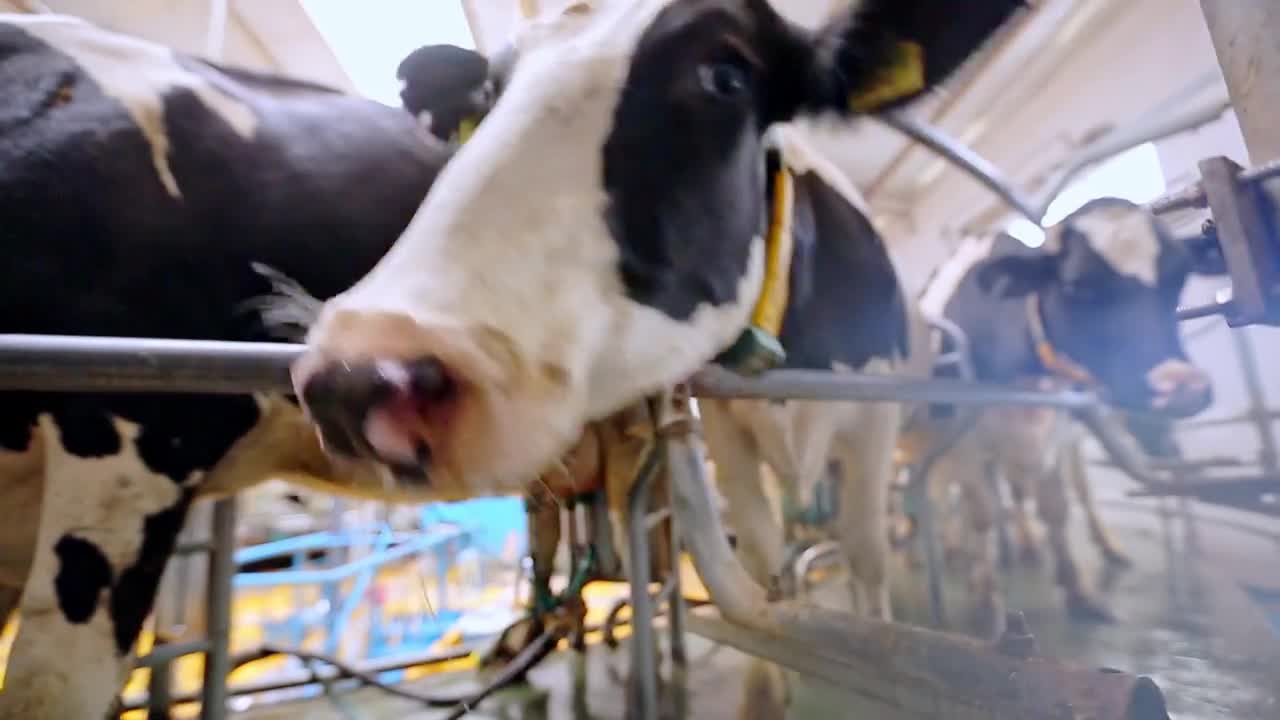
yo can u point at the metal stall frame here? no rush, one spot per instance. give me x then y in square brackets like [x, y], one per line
[1024, 686]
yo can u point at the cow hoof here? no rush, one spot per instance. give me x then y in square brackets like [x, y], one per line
[511, 642]
[1083, 608]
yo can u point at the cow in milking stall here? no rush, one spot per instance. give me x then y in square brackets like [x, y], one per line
[600, 236]
[847, 312]
[146, 185]
[211, 169]
[1095, 306]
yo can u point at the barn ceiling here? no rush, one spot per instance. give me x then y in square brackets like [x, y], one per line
[1067, 70]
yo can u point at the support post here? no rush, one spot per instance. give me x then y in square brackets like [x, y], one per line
[675, 603]
[644, 655]
[1246, 38]
[217, 662]
[160, 692]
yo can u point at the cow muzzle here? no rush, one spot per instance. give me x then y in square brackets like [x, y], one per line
[1179, 389]
[381, 409]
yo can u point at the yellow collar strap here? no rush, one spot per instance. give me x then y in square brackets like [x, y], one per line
[771, 306]
[1057, 363]
[757, 348]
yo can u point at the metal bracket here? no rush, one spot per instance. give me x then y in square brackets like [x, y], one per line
[1240, 213]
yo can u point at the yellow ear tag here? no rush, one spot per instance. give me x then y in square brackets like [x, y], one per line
[903, 76]
[466, 128]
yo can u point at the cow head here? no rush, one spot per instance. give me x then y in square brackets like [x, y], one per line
[444, 86]
[1108, 286]
[599, 237]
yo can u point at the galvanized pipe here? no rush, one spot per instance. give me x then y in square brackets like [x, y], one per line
[63, 363]
[59, 363]
[164, 654]
[644, 654]
[217, 663]
[978, 167]
[805, 560]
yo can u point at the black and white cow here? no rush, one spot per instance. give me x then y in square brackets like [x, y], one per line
[600, 236]
[138, 187]
[847, 313]
[1095, 305]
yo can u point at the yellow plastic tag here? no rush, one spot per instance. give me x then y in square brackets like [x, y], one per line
[772, 304]
[466, 128]
[902, 77]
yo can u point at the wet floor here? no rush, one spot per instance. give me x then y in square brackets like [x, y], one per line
[1199, 613]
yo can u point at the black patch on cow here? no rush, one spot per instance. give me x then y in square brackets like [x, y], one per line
[683, 163]
[322, 190]
[83, 573]
[846, 304]
[134, 595]
[18, 412]
[86, 431]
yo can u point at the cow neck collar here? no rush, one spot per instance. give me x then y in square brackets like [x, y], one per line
[1054, 361]
[758, 347]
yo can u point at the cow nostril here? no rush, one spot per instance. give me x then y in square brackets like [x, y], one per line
[428, 380]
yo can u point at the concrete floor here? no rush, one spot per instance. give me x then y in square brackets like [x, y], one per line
[1184, 619]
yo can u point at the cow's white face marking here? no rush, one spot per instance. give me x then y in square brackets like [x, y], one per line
[139, 74]
[1124, 237]
[973, 250]
[511, 248]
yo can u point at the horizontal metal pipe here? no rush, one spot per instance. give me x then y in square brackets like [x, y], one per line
[1193, 196]
[62, 363]
[304, 678]
[342, 572]
[164, 654]
[107, 364]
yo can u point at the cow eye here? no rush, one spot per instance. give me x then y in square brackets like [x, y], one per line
[725, 80]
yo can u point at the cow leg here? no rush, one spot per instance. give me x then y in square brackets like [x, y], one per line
[965, 462]
[1020, 479]
[107, 527]
[737, 461]
[1052, 502]
[1073, 472]
[866, 460]
[544, 539]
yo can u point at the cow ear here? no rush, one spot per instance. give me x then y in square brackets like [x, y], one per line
[887, 53]
[447, 83]
[1016, 275]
